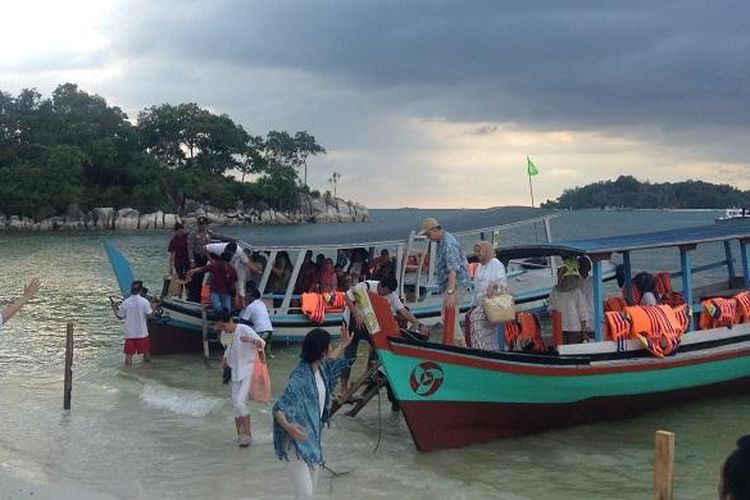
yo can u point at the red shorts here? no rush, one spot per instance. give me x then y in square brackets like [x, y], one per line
[137, 346]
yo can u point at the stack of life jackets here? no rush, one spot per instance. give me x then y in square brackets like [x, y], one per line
[718, 312]
[525, 332]
[315, 305]
[658, 328]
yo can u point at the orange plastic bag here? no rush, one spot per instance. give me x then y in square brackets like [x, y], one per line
[260, 387]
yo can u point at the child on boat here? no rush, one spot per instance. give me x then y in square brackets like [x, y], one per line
[240, 356]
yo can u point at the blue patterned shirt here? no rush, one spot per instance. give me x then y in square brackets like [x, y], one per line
[451, 257]
[301, 405]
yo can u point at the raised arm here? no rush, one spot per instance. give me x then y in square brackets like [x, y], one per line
[29, 291]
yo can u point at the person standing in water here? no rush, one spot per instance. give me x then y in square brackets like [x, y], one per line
[256, 315]
[29, 291]
[305, 405]
[135, 310]
[241, 355]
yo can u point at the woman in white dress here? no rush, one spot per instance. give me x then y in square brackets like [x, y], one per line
[489, 278]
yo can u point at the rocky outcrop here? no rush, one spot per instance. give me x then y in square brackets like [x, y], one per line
[309, 210]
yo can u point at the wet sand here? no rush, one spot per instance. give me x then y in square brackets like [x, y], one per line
[13, 486]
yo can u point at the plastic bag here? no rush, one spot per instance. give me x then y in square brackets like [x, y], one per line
[260, 387]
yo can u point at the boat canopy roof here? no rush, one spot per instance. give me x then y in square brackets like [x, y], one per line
[643, 241]
[379, 234]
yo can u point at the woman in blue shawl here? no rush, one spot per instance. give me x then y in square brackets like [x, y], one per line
[305, 405]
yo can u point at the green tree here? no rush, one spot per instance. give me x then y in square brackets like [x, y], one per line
[305, 146]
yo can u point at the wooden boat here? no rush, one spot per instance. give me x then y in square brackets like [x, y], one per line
[182, 326]
[452, 397]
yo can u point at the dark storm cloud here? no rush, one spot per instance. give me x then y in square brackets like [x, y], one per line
[677, 65]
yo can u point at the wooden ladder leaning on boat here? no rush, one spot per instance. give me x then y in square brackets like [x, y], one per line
[369, 381]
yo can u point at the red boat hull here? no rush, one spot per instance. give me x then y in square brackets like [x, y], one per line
[437, 425]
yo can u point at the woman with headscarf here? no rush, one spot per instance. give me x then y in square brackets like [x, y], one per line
[490, 278]
[305, 405]
[569, 299]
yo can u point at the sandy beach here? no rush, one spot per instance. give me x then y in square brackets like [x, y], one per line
[19, 484]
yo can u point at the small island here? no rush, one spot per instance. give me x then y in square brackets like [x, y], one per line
[74, 162]
[628, 192]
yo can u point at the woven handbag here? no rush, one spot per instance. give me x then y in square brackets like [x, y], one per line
[499, 308]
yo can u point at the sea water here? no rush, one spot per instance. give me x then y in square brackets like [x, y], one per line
[166, 430]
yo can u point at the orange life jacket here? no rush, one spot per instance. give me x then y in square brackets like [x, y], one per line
[527, 330]
[743, 307]
[615, 304]
[334, 301]
[557, 331]
[314, 307]
[718, 312]
[682, 313]
[412, 263]
[656, 327]
[617, 324]
[206, 295]
[663, 283]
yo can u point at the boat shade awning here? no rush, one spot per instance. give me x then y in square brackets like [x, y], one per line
[376, 233]
[660, 239]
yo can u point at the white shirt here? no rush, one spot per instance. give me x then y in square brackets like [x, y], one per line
[321, 391]
[588, 290]
[134, 311]
[372, 286]
[487, 274]
[573, 306]
[256, 313]
[241, 355]
[239, 262]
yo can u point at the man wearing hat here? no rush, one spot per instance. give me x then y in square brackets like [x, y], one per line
[197, 241]
[135, 310]
[452, 274]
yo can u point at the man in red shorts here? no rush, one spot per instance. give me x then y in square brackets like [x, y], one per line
[135, 310]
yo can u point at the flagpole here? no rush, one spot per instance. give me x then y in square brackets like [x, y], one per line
[531, 188]
[531, 191]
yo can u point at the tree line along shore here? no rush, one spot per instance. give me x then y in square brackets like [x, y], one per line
[71, 161]
[628, 192]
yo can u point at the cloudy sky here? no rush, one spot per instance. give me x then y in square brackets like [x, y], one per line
[424, 103]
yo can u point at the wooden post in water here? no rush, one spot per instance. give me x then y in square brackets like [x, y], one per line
[68, 386]
[204, 331]
[664, 465]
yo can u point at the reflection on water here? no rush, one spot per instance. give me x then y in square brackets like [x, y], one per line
[167, 430]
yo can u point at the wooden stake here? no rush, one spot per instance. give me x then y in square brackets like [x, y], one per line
[664, 465]
[204, 331]
[68, 386]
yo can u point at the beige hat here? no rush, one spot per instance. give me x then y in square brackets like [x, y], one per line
[427, 224]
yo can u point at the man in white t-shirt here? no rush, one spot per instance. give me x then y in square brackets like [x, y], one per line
[256, 315]
[386, 288]
[11, 309]
[135, 310]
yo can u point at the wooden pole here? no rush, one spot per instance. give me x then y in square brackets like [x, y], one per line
[664, 465]
[68, 386]
[204, 331]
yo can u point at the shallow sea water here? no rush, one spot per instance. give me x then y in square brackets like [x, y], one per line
[166, 430]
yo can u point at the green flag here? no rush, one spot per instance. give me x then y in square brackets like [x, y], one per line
[531, 167]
